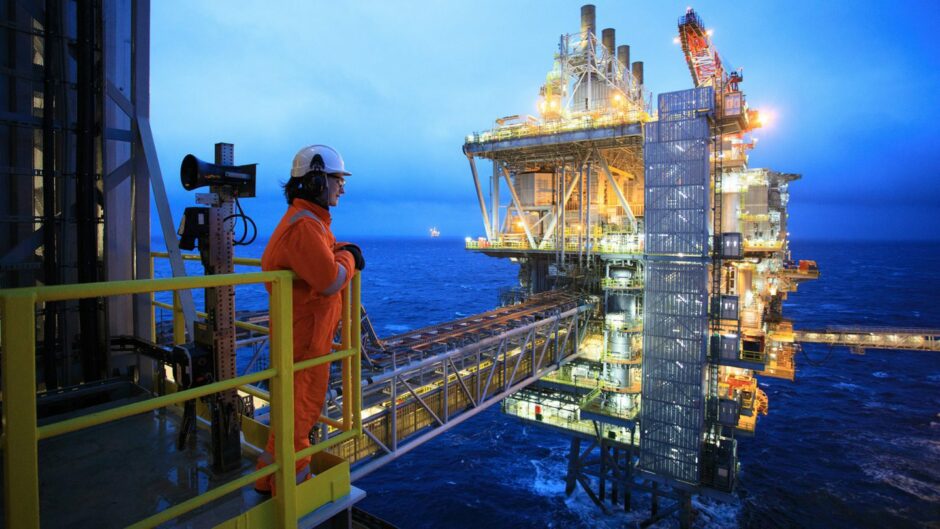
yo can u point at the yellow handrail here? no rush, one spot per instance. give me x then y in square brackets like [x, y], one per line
[22, 433]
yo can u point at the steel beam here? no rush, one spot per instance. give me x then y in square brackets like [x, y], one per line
[518, 205]
[476, 183]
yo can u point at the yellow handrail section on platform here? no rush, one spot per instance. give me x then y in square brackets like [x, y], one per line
[21, 432]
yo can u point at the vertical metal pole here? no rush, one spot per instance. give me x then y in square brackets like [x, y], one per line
[627, 500]
[479, 376]
[476, 183]
[220, 306]
[654, 510]
[556, 345]
[577, 334]
[179, 321]
[282, 400]
[20, 448]
[564, 205]
[505, 365]
[347, 361]
[574, 455]
[94, 356]
[534, 349]
[393, 409]
[50, 228]
[580, 214]
[602, 479]
[587, 211]
[445, 407]
[151, 296]
[494, 198]
[140, 80]
[356, 332]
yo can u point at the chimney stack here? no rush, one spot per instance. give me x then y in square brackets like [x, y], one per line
[638, 72]
[588, 19]
[609, 40]
[623, 56]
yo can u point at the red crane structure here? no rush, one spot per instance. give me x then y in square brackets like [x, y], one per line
[707, 69]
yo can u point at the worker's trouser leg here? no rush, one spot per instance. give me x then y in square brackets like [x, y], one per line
[309, 395]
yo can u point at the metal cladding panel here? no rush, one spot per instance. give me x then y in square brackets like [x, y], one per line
[676, 158]
[686, 104]
[675, 334]
[684, 129]
[675, 327]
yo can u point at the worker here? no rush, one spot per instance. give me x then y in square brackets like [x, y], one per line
[304, 243]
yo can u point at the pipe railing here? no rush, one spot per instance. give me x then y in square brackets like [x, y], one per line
[21, 433]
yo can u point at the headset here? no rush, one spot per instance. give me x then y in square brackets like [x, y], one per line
[313, 183]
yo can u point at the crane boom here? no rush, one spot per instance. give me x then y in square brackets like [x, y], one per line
[704, 62]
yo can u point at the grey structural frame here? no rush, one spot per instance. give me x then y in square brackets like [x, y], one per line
[122, 149]
[672, 415]
[548, 342]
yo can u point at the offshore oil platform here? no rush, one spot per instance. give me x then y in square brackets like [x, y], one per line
[653, 263]
[654, 215]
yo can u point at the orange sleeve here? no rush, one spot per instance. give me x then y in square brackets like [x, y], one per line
[311, 257]
[347, 260]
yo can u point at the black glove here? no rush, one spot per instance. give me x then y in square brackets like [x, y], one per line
[357, 255]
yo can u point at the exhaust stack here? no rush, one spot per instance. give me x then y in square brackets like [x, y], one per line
[588, 19]
[638, 72]
[623, 57]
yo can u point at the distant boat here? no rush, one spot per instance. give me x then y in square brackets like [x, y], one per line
[435, 232]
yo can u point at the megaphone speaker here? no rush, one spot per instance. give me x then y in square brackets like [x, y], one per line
[195, 173]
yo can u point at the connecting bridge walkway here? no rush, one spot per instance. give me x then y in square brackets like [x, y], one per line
[423, 382]
[861, 338]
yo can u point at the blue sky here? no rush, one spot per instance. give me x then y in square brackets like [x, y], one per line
[395, 86]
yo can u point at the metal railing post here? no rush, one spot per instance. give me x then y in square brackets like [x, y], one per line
[153, 313]
[20, 438]
[347, 361]
[282, 397]
[179, 321]
[357, 357]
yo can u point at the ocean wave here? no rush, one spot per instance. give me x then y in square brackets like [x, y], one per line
[715, 514]
[394, 327]
[847, 386]
[929, 492]
[880, 374]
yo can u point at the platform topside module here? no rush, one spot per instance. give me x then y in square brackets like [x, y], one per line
[655, 211]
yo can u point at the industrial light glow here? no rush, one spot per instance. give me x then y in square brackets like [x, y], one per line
[764, 118]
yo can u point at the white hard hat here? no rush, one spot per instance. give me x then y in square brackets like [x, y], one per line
[314, 157]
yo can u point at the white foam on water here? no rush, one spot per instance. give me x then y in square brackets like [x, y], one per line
[880, 374]
[580, 504]
[549, 478]
[926, 491]
[549, 482]
[394, 327]
[715, 514]
[847, 386]
[929, 492]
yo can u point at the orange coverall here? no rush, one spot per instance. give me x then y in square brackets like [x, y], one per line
[304, 244]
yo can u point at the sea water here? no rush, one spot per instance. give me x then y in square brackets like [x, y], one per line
[853, 442]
